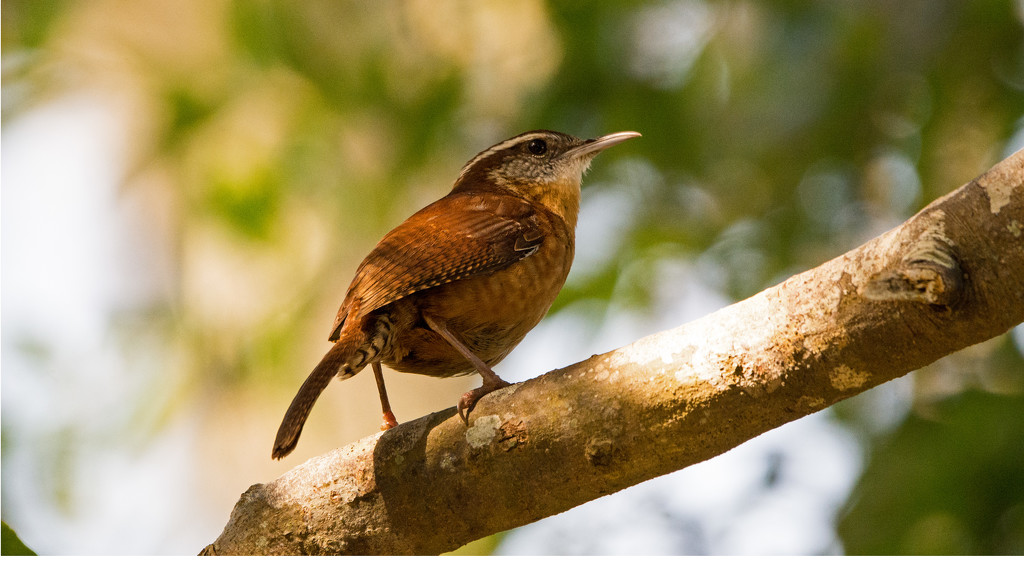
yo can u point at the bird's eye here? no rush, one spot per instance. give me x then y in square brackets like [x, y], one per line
[537, 147]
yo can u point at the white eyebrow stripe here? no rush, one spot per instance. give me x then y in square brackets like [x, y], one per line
[498, 148]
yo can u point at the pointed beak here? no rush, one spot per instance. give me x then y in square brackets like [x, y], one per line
[591, 147]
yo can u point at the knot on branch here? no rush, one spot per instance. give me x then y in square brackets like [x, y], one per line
[930, 273]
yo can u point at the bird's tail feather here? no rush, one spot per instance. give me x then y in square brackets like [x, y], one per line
[344, 360]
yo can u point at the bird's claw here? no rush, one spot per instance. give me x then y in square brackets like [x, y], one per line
[468, 400]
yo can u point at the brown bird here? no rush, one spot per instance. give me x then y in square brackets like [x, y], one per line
[458, 285]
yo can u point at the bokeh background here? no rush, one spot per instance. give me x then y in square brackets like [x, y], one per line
[188, 186]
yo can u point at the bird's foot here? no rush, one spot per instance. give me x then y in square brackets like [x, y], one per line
[469, 399]
[389, 421]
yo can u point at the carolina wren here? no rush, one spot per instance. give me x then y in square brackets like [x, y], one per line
[458, 285]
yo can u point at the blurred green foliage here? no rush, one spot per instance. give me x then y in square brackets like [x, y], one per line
[946, 484]
[10, 544]
[278, 140]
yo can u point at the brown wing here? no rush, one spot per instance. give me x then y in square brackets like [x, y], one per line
[460, 236]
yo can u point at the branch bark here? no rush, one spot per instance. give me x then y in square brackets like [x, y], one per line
[949, 277]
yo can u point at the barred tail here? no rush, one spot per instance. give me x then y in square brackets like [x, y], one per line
[343, 361]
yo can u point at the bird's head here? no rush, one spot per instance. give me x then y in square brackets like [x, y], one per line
[542, 166]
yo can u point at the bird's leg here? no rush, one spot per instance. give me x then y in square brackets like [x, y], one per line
[389, 418]
[491, 380]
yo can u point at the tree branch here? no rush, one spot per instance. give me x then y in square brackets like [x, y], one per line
[949, 277]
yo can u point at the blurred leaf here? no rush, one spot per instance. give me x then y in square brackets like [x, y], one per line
[10, 544]
[29, 22]
[482, 546]
[944, 486]
[250, 205]
[187, 111]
